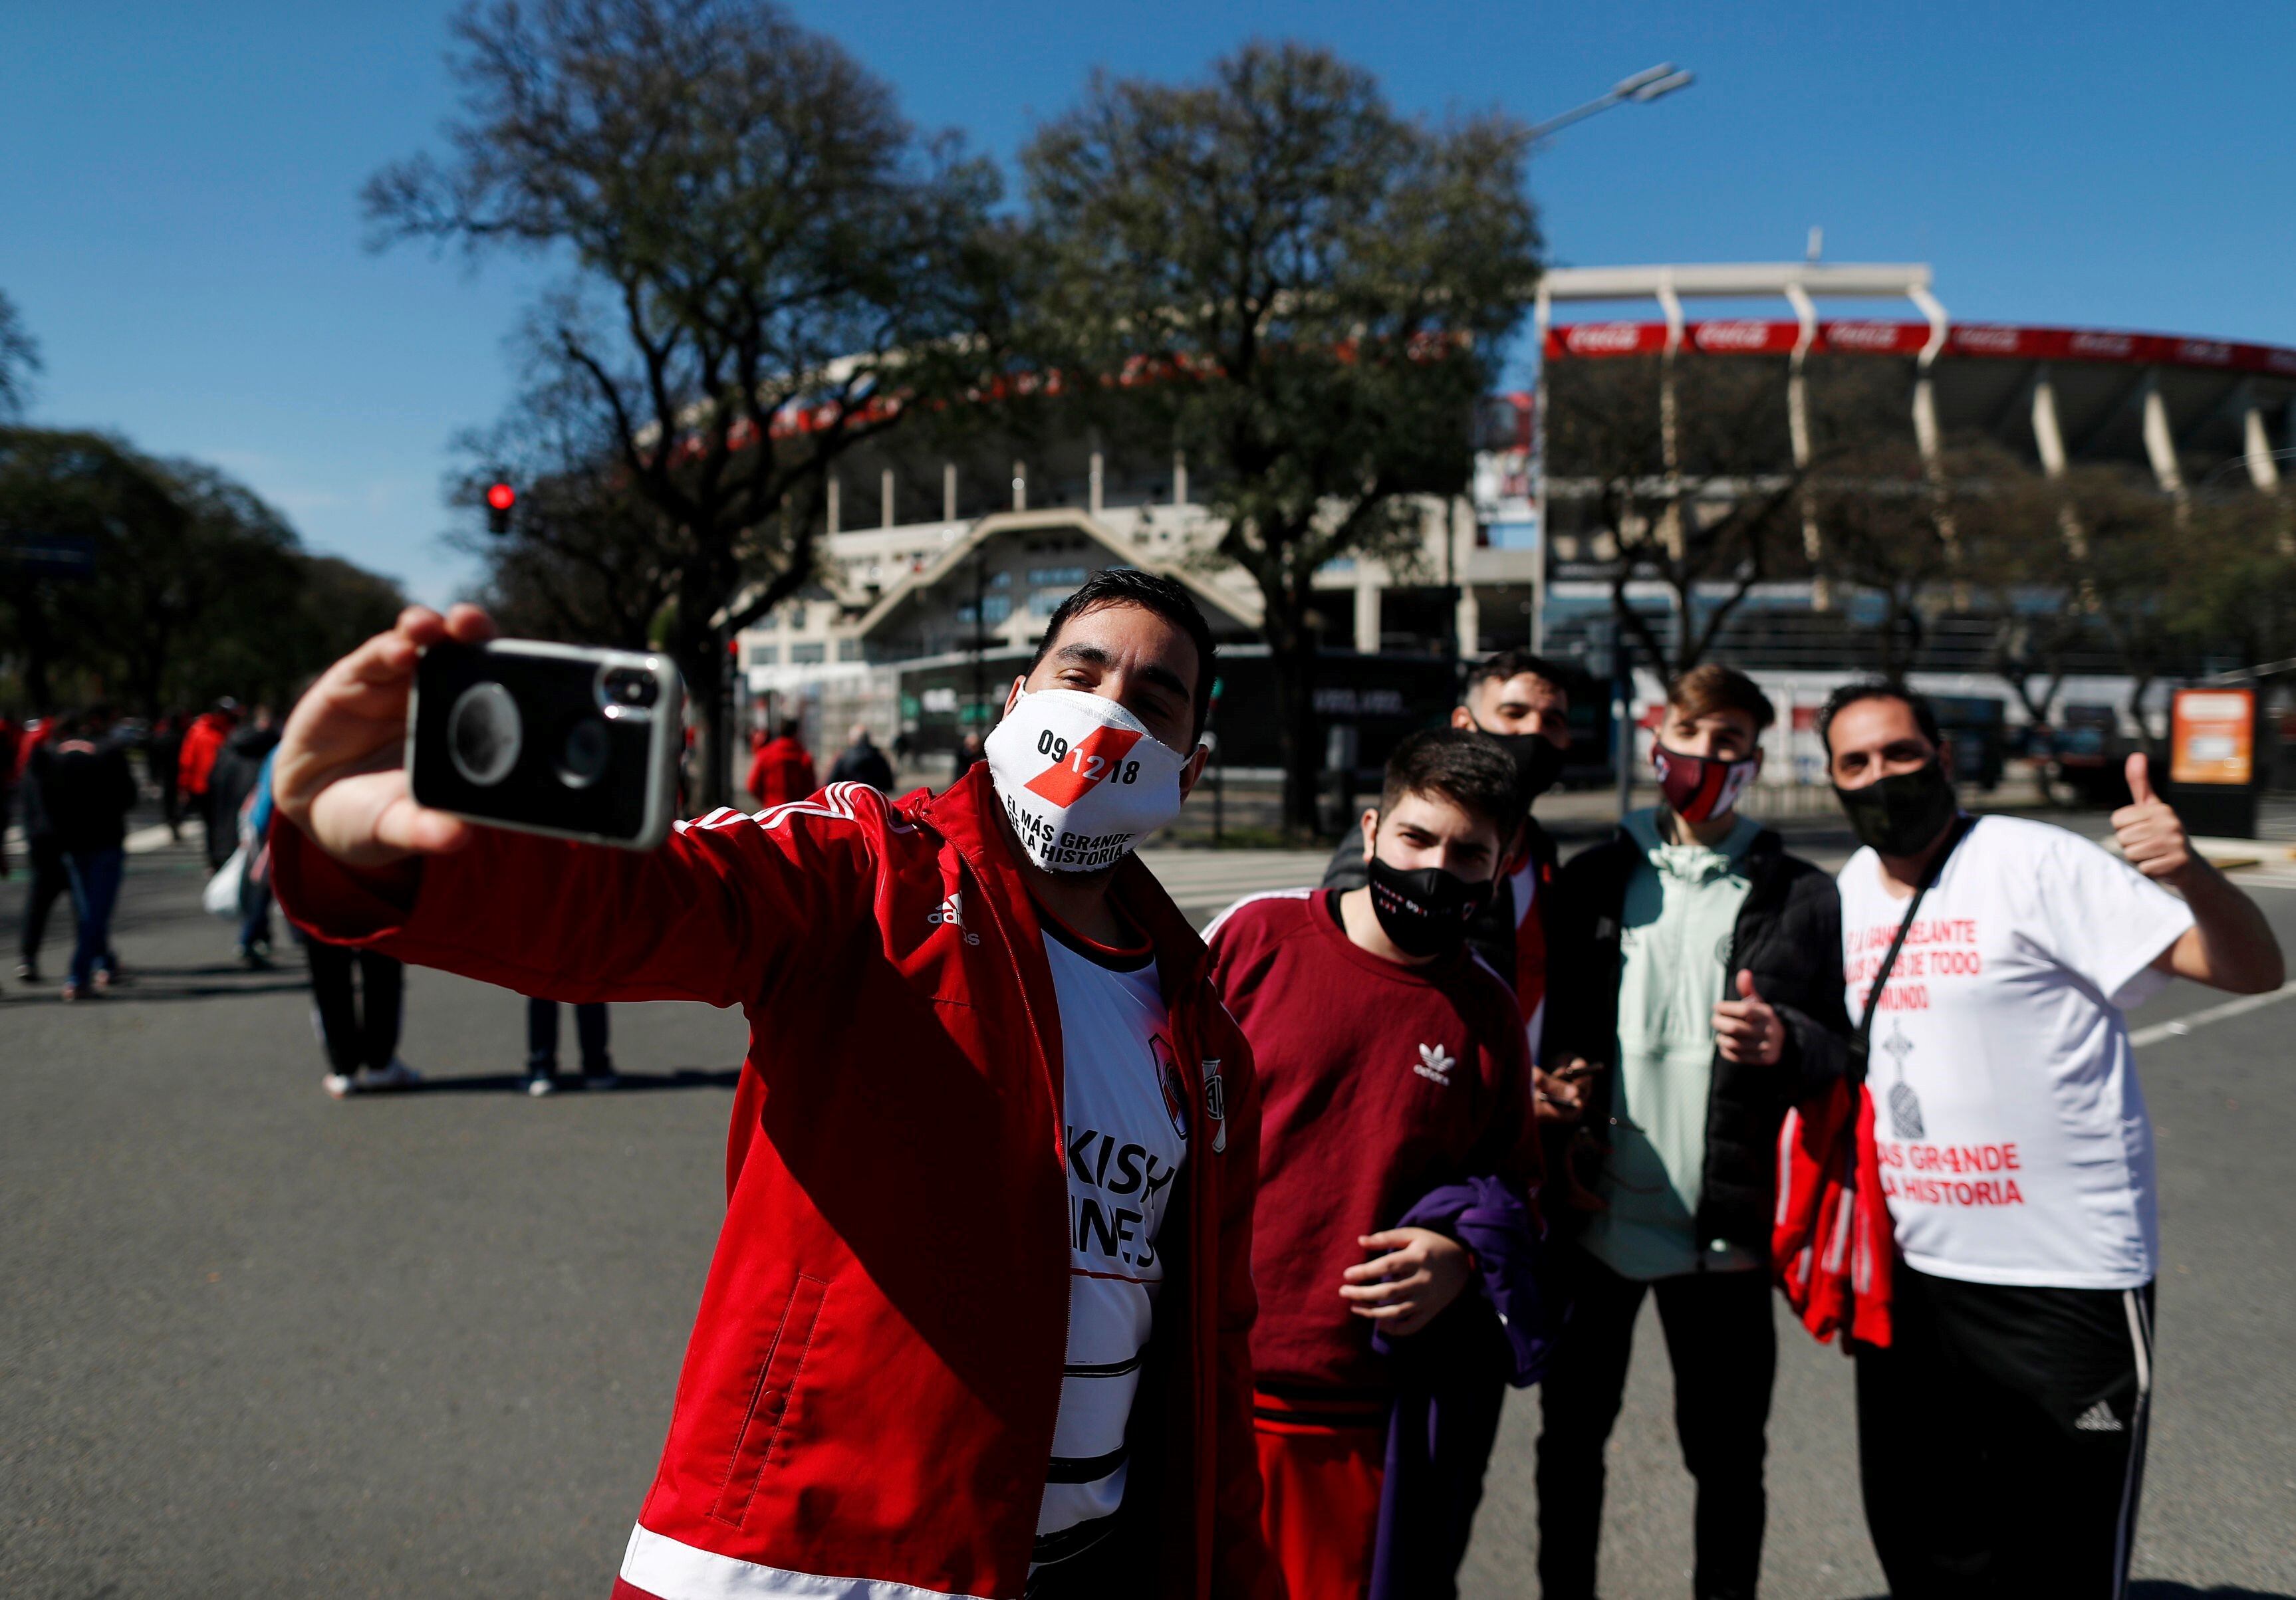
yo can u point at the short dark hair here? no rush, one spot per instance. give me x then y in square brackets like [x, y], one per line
[1500, 665]
[1168, 598]
[1465, 767]
[789, 727]
[1710, 687]
[1876, 689]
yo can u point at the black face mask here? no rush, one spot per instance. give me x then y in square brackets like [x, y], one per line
[1538, 763]
[1900, 814]
[1424, 912]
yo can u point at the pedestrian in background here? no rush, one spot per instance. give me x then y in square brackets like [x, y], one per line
[88, 791]
[195, 764]
[162, 763]
[2001, 1431]
[782, 771]
[48, 881]
[358, 1022]
[861, 762]
[12, 735]
[230, 784]
[542, 1046]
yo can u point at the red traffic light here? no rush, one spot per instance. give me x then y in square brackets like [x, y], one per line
[501, 497]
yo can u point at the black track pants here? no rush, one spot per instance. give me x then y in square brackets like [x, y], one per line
[1724, 1350]
[2001, 1438]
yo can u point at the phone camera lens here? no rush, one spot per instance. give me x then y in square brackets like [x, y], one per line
[484, 734]
[582, 759]
[631, 686]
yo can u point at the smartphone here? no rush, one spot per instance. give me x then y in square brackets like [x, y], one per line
[549, 739]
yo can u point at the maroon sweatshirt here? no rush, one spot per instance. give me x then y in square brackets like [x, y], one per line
[1378, 1082]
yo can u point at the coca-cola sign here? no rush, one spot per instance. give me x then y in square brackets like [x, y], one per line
[1605, 339]
[1882, 337]
[1986, 341]
[1749, 335]
[1740, 336]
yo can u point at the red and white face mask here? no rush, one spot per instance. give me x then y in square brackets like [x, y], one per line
[1700, 787]
[1081, 777]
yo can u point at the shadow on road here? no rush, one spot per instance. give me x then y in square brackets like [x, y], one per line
[682, 1077]
[139, 989]
[2170, 1589]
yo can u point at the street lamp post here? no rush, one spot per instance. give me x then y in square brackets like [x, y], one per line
[1644, 87]
[1652, 83]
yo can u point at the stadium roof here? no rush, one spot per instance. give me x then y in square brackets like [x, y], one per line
[2177, 404]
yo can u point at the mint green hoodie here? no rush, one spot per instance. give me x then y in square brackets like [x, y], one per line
[1679, 920]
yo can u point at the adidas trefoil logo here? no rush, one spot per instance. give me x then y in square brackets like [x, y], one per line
[951, 913]
[2098, 1419]
[1434, 1064]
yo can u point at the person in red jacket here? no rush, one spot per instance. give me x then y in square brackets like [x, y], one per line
[978, 1322]
[195, 764]
[1392, 1059]
[781, 769]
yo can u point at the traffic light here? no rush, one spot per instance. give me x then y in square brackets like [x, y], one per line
[500, 498]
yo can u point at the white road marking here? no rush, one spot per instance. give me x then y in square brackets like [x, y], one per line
[2181, 1026]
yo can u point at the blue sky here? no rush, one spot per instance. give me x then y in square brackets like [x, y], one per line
[178, 217]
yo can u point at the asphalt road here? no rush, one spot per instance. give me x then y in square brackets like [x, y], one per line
[257, 1341]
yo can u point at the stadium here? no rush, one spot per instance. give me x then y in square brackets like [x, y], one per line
[940, 583]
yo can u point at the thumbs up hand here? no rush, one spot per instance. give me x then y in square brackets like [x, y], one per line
[1748, 1029]
[2148, 831]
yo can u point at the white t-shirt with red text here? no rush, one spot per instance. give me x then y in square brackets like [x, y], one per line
[2013, 1141]
[1126, 1106]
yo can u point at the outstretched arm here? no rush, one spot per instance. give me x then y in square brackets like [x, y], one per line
[356, 860]
[2230, 945]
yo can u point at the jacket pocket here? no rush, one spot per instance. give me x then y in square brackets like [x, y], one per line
[769, 1400]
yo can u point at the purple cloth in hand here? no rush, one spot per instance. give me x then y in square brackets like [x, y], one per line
[1450, 1377]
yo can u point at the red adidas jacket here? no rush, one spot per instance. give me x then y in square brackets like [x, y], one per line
[1832, 1246]
[867, 1401]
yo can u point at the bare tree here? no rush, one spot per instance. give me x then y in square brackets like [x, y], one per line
[586, 559]
[768, 265]
[1273, 272]
[1696, 488]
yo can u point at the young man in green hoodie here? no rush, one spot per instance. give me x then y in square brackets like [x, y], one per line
[1701, 963]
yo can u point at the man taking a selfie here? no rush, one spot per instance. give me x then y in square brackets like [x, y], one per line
[978, 1319]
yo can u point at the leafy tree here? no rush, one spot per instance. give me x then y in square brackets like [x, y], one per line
[767, 265]
[87, 498]
[20, 358]
[1318, 291]
[192, 588]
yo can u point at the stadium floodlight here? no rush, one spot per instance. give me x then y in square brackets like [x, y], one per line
[1648, 85]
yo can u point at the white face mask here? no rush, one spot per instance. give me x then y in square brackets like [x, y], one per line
[1081, 777]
